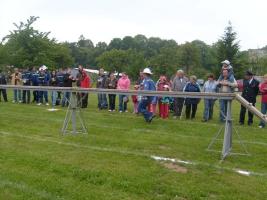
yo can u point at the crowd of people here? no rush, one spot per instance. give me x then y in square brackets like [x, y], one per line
[146, 105]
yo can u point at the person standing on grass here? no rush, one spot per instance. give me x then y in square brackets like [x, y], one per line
[164, 104]
[263, 90]
[226, 85]
[26, 79]
[178, 85]
[161, 86]
[3, 81]
[16, 80]
[34, 81]
[210, 86]
[101, 84]
[112, 84]
[67, 82]
[191, 103]
[124, 83]
[147, 85]
[84, 81]
[53, 83]
[43, 80]
[250, 92]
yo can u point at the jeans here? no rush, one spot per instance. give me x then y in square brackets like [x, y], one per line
[223, 110]
[3, 92]
[66, 99]
[112, 100]
[26, 96]
[17, 95]
[208, 109]
[263, 111]
[54, 98]
[41, 95]
[142, 108]
[102, 101]
[122, 105]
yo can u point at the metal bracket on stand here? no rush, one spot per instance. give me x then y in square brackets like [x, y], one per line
[74, 114]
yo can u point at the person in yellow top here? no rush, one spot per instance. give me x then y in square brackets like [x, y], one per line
[16, 80]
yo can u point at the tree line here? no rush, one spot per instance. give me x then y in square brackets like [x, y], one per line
[26, 46]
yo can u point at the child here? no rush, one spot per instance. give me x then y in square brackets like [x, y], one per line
[135, 101]
[164, 104]
[263, 90]
[229, 68]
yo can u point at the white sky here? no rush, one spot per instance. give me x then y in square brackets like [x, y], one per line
[102, 20]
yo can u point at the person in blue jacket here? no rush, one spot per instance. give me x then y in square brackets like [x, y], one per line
[43, 80]
[191, 103]
[26, 79]
[148, 85]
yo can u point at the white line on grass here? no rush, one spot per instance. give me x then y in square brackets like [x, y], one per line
[157, 158]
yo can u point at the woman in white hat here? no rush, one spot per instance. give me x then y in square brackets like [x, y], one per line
[148, 85]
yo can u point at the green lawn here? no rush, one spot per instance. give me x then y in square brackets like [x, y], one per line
[114, 160]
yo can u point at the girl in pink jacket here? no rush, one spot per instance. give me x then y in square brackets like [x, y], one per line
[123, 84]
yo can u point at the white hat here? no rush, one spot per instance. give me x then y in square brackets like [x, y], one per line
[227, 62]
[147, 71]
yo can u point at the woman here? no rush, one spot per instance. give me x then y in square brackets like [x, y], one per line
[112, 84]
[263, 90]
[191, 103]
[209, 86]
[161, 86]
[123, 84]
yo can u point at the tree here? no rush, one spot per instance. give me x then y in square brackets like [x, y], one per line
[26, 47]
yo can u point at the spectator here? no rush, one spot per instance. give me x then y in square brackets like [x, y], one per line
[226, 85]
[3, 81]
[123, 84]
[226, 65]
[67, 82]
[26, 79]
[84, 80]
[135, 100]
[34, 81]
[101, 84]
[53, 83]
[16, 80]
[112, 84]
[60, 83]
[191, 103]
[147, 85]
[210, 86]
[161, 86]
[178, 85]
[43, 80]
[164, 104]
[250, 92]
[263, 90]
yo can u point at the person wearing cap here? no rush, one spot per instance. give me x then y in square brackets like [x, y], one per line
[43, 80]
[210, 86]
[148, 85]
[226, 65]
[124, 83]
[263, 90]
[191, 103]
[227, 85]
[178, 85]
[250, 92]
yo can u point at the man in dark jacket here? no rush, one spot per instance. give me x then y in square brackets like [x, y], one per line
[101, 84]
[26, 79]
[3, 81]
[250, 92]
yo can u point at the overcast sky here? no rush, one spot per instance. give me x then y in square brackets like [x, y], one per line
[102, 20]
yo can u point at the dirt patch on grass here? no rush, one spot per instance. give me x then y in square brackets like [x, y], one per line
[175, 167]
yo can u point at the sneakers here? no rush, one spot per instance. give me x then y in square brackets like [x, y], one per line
[151, 118]
[38, 104]
[109, 110]
[120, 111]
[260, 126]
[47, 104]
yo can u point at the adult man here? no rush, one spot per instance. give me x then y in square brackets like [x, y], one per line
[3, 81]
[101, 84]
[250, 92]
[84, 81]
[178, 85]
[149, 85]
[226, 85]
[26, 80]
[35, 77]
[43, 80]
[68, 80]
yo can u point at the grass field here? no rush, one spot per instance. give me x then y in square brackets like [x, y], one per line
[114, 160]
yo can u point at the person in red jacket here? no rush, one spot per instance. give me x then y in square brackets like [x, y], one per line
[84, 82]
[263, 90]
